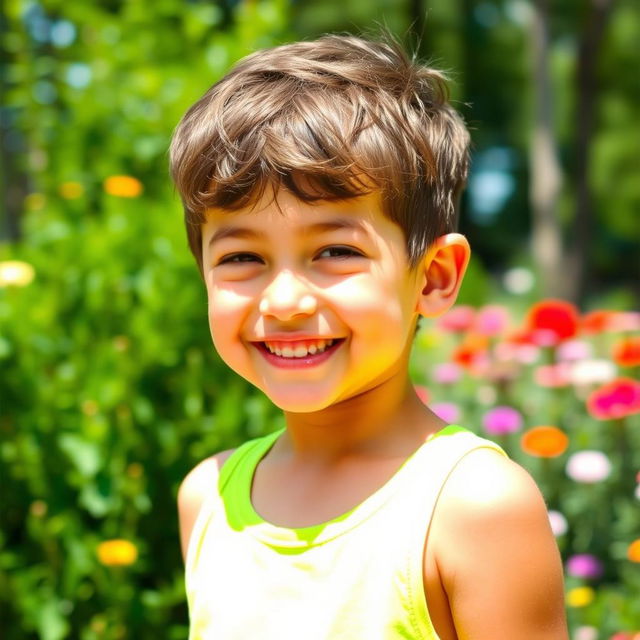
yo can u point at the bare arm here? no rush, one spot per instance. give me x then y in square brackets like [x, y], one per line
[196, 486]
[500, 565]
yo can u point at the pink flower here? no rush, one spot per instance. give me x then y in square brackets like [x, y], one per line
[458, 319]
[617, 399]
[502, 420]
[553, 376]
[574, 350]
[584, 565]
[588, 467]
[422, 393]
[491, 320]
[447, 373]
[446, 411]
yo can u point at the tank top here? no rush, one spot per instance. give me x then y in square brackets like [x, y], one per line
[356, 577]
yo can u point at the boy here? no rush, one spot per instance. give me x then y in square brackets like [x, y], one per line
[320, 182]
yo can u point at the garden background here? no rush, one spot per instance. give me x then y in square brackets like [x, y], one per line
[109, 388]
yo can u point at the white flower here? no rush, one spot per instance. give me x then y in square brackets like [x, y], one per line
[585, 633]
[592, 372]
[558, 523]
[588, 466]
[16, 273]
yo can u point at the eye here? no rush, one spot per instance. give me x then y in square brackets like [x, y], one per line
[340, 252]
[234, 258]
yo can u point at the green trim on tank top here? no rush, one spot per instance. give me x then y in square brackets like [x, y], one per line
[235, 490]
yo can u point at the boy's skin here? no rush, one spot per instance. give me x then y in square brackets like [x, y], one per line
[491, 566]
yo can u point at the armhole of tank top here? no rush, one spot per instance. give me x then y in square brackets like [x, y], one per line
[420, 615]
[214, 499]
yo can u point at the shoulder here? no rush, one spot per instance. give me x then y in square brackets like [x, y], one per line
[194, 489]
[494, 531]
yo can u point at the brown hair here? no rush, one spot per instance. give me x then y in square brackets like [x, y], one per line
[326, 120]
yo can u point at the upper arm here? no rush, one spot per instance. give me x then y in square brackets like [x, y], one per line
[196, 486]
[500, 563]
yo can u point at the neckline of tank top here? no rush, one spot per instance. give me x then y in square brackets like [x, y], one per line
[244, 517]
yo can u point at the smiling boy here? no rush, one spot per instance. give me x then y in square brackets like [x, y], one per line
[320, 182]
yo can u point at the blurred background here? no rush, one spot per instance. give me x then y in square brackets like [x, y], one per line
[109, 387]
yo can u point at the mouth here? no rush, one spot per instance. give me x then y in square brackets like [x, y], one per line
[298, 353]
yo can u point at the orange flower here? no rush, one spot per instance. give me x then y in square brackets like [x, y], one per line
[544, 442]
[471, 352]
[597, 321]
[117, 553]
[626, 352]
[123, 186]
[552, 321]
[633, 551]
[616, 399]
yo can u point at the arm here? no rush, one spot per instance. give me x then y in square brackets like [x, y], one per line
[500, 564]
[195, 487]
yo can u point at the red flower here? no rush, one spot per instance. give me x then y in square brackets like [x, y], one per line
[616, 399]
[552, 321]
[597, 321]
[472, 352]
[626, 352]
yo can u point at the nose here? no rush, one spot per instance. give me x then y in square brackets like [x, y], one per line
[286, 297]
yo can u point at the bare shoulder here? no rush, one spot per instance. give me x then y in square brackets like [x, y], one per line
[494, 533]
[195, 487]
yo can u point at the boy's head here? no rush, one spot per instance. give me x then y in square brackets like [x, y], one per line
[327, 120]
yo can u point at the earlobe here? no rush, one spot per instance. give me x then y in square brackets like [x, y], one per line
[443, 269]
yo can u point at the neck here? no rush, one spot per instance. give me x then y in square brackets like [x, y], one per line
[388, 418]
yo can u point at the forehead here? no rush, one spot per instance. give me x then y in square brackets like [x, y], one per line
[284, 212]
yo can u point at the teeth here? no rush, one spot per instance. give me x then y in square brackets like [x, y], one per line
[300, 350]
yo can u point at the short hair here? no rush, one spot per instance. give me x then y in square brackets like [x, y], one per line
[326, 120]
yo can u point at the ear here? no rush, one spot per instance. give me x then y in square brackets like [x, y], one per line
[442, 270]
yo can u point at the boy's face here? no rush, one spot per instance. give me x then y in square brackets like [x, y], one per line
[312, 303]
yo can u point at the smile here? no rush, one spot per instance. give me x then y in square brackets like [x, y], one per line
[298, 353]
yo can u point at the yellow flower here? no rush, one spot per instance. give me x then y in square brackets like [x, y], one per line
[71, 190]
[123, 186]
[633, 552]
[580, 596]
[117, 553]
[16, 273]
[34, 201]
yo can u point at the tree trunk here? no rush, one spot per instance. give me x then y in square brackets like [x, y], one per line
[586, 91]
[545, 172]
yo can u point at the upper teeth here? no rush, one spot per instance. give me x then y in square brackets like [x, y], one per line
[300, 349]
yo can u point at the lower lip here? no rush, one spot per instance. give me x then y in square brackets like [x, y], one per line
[310, 360]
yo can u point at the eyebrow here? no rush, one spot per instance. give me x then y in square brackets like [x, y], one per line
[247, 233]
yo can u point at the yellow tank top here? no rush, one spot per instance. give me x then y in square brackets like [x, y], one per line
[356, 577]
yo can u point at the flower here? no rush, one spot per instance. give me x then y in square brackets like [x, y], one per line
[458, 319]
[123, 186]
[71, 190]
[585, 632]
[553, 376]
[447, 373]
[617, 399]
[544, 442]
[16, 273]
[626, 352]
[491, 320]
[597, 321]
[502, 420]
[588, 467]
[117, 553]
[446, 411]
[552, 322]
[584, 565]
[558, 522]
[589, 372]
[574, 350]
[633, 551]
[422, 393]
[472, 352]
[580, 596]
